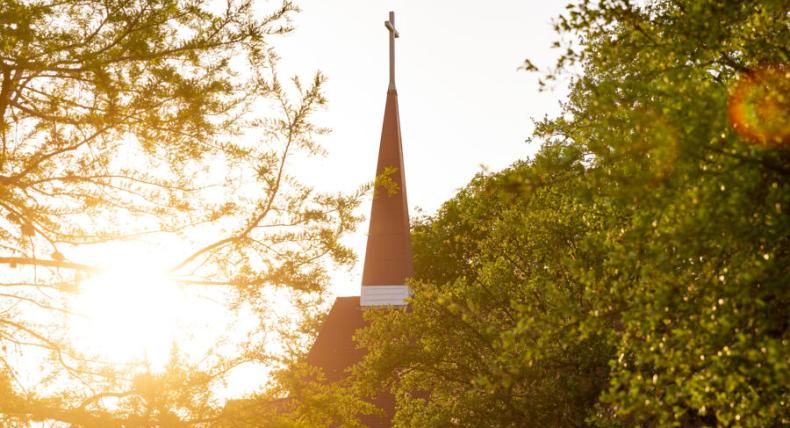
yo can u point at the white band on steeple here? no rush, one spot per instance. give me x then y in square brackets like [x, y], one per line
[384, 295]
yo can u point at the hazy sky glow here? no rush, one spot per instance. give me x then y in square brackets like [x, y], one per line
[463, 100]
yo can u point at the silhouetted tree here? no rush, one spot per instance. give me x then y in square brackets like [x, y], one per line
[130, 118]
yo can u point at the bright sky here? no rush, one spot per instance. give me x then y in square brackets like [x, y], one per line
[463, 100]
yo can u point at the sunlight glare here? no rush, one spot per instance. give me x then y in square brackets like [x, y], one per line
[132, 313]
[129, 313]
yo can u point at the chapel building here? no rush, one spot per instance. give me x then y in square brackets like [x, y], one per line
[388, 259]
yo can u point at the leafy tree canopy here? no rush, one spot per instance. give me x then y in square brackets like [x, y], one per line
[634, 272]
[161, 119]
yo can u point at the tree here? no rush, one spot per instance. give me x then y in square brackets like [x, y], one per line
[492, 335]
[634, 272]
[124, 119]
[696, 283]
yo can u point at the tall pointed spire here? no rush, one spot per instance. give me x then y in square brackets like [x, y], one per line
[388, 255]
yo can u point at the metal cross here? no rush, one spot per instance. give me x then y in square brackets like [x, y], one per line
[393, 35]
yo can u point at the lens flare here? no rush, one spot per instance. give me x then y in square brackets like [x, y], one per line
[759, 107]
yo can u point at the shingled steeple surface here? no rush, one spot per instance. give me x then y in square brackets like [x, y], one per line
[388, 254]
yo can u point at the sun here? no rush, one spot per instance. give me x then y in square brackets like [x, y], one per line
[130, 311]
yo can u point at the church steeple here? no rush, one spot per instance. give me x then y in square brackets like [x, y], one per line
[387, 260]
[388, 255]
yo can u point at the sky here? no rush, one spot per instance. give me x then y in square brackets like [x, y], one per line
[464, 101]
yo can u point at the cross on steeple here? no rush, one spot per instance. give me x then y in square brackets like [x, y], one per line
[390, 24]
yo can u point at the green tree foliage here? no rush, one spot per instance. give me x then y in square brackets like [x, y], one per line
[498, 341]
[634, 273]
[130, 119]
